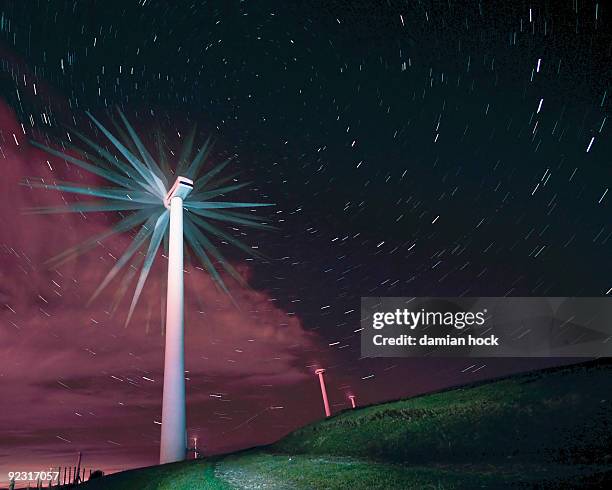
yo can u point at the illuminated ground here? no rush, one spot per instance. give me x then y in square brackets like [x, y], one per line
[548, 429]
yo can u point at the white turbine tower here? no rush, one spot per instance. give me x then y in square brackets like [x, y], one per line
[140, 194]
[174, 424]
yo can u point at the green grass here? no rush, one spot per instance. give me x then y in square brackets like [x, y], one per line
[186, 475]
[259, 469]
[546, 429]
[562, 415]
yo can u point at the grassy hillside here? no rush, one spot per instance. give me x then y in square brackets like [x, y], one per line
[187, 475]
[547, 429]
[560, 415]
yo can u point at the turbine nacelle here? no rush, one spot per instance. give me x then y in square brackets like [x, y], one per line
[181, 188]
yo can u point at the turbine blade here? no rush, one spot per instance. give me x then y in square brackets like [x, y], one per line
[186, 151]
[201, 254]
[200, 158]
[215, 183]
[112, 159]
[142, 169]
[229, 218]
[103, 192]
[88, 207]
[89, 156]
[207, 177]
[223, 205]
[107, 174]
[224, 236]
[204, 196]
[201, 306]
[247, 216]
[146, 156]
[166, 242]
[125, 282]
[125, 224]
[214, 251]
[140, 238]
[123, 136]
[160, 228]
[162, 156]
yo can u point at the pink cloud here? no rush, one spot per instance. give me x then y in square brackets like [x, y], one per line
[72, 369]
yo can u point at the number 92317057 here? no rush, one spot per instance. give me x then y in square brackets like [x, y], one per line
[45, 475]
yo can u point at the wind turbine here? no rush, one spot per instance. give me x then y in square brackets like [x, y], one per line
[141, 188]
[352, 399]
[319, 372]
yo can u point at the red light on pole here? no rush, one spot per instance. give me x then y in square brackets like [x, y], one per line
[320, 372]
[352, 398]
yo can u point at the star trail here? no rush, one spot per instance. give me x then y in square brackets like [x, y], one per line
[410, 148]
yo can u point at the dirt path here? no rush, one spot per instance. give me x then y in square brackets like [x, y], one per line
[243, 478]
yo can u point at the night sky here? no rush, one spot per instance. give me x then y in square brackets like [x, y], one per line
[411, 148]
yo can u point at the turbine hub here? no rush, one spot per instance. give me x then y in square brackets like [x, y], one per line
[181, 188]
